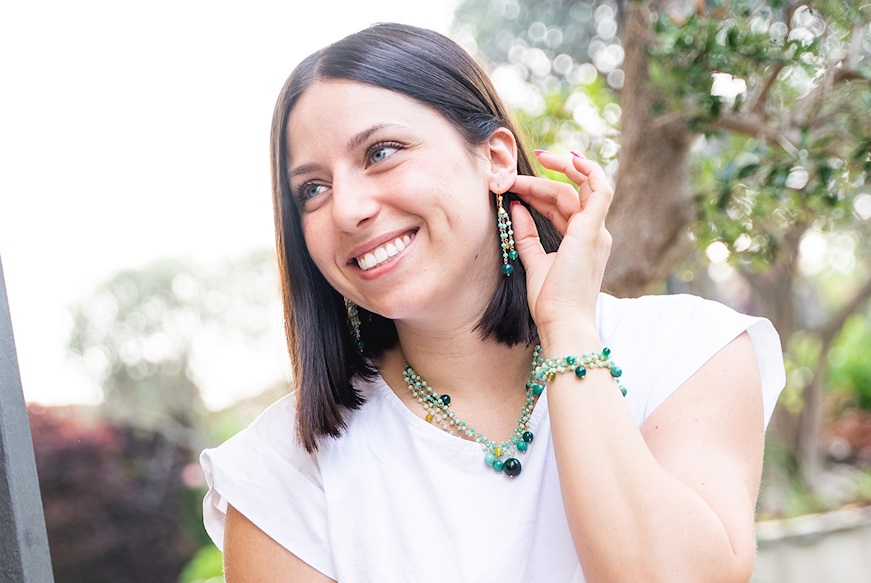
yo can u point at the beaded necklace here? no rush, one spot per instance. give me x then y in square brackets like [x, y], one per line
[438, 408]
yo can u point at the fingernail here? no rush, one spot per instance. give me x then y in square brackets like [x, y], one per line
[537, 152]
[578, 154]
[512, 204]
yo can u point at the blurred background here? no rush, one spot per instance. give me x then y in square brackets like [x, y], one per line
[136, 231]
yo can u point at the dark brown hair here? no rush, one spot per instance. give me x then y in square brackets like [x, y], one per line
[439, 74]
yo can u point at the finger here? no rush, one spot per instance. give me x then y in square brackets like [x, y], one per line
[555, 200]
[593, 185]
[526, 239]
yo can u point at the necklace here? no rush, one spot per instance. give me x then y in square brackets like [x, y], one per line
[438, 409]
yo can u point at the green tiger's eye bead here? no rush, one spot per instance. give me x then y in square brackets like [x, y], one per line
[512, 467]
[507, 269]
[498, 465]
[616, 371]
[580, 372]
[513, 254]
[490, 458]
[522, 446]
[528, 436]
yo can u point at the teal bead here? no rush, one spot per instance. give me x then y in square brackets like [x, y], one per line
[498, 465]
[570, 360]
[446, 400]
[616, 371]
[507, 268]
[512, 467]
[528, 436]
[490, 458]
[513, 254]
[537, 389]
[623, 391]
[580, 372]
[606, 352]
[522, 446]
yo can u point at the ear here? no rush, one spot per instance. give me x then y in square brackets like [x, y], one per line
[502, 156]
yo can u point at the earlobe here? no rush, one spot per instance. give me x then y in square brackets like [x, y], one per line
[502, 155]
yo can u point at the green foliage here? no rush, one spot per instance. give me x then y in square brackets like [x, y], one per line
[205, 567]
[848, 360]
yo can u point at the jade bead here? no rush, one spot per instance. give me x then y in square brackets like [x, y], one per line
[616, 371]
[507, 269]
[606, 352]
[446, 400]
[513, 254]
[623, 391]
[528, 436]
[498, 465]
[537, 389]
[490, 458]
[522, 446]
[580, 372]
[512, 467]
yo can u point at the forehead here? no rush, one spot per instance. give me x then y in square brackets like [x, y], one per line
[339, 108]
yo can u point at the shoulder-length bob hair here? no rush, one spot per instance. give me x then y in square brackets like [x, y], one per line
[438, 73]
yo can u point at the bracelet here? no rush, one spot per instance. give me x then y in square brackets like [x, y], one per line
[547, 370]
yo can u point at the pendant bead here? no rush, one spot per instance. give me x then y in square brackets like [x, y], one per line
[522, 446]
[498, 465]
[512, 467]
[528, 436]
[507, 268]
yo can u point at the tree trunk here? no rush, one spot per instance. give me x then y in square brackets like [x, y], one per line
[653, 211]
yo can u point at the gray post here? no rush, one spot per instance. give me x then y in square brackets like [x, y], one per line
[24, 556]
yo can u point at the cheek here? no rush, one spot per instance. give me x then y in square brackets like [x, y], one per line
[317, 240]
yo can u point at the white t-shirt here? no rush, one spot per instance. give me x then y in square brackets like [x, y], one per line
[398, 499]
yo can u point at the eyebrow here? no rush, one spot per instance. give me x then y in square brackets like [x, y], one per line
[355, 142]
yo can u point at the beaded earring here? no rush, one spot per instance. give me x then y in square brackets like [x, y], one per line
[506, 237]
[354, 322]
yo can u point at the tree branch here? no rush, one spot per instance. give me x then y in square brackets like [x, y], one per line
[833, 325]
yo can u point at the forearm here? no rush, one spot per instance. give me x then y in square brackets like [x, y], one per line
[631, 520]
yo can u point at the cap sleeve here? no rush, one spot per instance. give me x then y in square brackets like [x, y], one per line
[265, 475]
[675, 335]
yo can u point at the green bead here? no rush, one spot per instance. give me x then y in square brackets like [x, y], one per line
[623, 391]
[616, 371]
[570, 360]
[606, 352]
[537, 389]
[490, 458]
[512, 467]
[522, 445]
[528, 436]
[580, 372]
[446, 400]
[513, 254]
[507, 268]
[498, 465]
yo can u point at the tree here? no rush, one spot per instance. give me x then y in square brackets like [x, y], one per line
[702, 162]
[149, 336]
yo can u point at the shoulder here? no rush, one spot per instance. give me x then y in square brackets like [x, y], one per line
[665, 339]
[265, 474]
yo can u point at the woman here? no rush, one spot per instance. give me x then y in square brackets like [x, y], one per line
[422, 265]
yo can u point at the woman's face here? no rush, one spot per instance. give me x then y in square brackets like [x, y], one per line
[396, 210]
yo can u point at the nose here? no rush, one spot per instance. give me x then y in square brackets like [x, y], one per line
[354, 202]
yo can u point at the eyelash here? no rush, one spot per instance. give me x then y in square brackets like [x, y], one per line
[301, 190]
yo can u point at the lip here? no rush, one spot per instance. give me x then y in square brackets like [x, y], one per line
[374, 244]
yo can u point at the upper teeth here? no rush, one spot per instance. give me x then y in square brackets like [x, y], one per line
[383, 253]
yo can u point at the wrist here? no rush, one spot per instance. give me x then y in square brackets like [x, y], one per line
[570, 340]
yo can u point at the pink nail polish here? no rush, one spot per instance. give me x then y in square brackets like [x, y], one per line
[578, 154]
[513, 204]
[537, 152]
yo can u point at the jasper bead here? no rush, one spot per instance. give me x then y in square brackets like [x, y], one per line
[512, 467]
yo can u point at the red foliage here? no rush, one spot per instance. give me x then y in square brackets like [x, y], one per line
[113, 500]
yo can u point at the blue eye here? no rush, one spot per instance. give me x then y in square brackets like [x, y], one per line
[309, 190]
[381, 151]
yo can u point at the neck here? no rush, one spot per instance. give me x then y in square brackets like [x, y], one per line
[458, 361]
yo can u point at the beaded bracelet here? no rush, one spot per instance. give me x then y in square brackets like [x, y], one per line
[547, 370]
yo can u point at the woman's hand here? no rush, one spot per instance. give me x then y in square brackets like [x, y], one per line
[563, 287]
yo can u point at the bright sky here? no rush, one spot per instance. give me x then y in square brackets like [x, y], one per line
[131, 131]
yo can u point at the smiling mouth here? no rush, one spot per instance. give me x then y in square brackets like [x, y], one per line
[383, 253]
